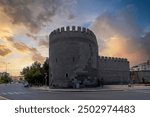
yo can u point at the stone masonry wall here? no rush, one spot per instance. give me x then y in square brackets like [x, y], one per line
[72, 50]
[73, 55]
[113, 70]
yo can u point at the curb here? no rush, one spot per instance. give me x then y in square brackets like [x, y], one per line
[78, 90]
[82, 90]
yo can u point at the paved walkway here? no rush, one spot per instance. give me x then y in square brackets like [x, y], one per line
[97, 89]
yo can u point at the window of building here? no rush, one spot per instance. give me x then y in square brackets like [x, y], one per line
[56, 60]
[73, 59]
[66, 75]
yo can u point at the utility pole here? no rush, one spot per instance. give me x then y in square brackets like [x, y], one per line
[6, 63]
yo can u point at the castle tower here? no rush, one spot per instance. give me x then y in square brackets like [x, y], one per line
[73, 54]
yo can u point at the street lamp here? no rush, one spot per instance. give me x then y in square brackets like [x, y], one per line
[6, 63]
[6, 66]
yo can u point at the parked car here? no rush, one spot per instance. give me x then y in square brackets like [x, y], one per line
[26, 84]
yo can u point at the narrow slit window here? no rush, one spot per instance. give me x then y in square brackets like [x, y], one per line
[66, 75]
[73, 59]
[56, 60]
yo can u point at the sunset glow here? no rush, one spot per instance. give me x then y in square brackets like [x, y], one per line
[122, 28]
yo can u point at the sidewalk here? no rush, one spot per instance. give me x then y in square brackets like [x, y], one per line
[96, 89]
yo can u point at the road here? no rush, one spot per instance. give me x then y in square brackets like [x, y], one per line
[18, 92]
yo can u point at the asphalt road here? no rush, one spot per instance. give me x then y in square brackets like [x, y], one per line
[18, 92]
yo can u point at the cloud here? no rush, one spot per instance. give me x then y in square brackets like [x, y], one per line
[44, 42]
[20, 46]
[24, 23]
[119, 35]
[33, 14]
[145, 43]
[23, 48]
[41, 40]
[17, 45]
[4, 50]
[31, 36]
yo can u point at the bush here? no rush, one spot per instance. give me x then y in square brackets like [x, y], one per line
[5, 78]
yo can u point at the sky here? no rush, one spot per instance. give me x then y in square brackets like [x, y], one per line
[122, 28]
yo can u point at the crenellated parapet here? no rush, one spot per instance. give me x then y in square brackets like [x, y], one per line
[72, 31]
[113, 59]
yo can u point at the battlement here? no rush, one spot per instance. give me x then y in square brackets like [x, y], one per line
[72, 29]
[113, 59]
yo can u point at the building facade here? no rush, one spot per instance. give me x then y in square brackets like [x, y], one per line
[74, 60]
[141, 73]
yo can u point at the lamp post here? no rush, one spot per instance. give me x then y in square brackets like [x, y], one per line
[6, 66]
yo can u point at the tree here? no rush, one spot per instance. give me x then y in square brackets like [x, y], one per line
[34, 74]
[46, 71]
[5, 78]
[37, 74]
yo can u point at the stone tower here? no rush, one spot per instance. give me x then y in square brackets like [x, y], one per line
[73, 54]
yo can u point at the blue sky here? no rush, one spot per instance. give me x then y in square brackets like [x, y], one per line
[121, 26]
[141, 8]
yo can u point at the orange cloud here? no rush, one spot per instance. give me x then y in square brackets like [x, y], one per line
[44, 42]
[4, 50]
[23, 48]
[118, 46]
[26, 19]
[119, 36]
